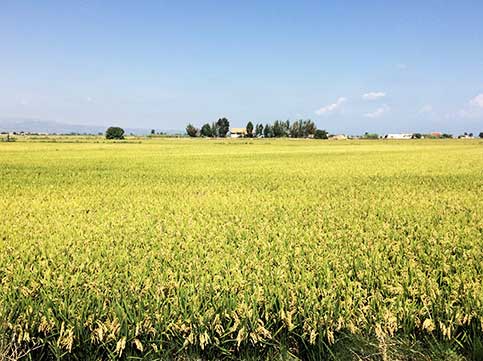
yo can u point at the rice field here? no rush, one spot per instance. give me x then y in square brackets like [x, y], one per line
[186, 248]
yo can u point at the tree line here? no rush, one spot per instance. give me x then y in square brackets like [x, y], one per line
[278, 129]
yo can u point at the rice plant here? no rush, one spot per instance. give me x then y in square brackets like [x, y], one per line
[171, 247]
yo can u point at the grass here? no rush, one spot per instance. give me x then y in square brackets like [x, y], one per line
[187, 248]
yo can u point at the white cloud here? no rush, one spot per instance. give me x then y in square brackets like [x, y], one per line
[473, 109]
[373, 95]
[331, 107]
[379, 112]
[477, 101]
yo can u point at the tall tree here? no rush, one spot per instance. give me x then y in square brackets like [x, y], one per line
[286, 128]
[296, 129]
[249, 129]
[206, 130]
[280, 128]
[259, 130]
[192, 130]
[277, 129]
[214, 129]
[267, 131]
[223, 127]
[309, 128]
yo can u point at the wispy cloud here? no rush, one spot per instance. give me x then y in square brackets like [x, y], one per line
[473, 109]
[331, 107]
[477, 101]
[373, 95]
[402, 66]
[379, 112]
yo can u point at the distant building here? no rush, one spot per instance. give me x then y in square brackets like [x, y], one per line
[238, 132]
[398, 136]
[436, 134]
[338, 137]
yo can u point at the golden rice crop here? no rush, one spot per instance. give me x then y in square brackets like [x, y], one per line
[179, 245]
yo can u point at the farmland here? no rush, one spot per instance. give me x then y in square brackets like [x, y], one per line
[166, 248]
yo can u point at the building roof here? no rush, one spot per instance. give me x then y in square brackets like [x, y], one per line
[238, 130]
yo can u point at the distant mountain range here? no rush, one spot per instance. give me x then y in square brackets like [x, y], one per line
[43, 126]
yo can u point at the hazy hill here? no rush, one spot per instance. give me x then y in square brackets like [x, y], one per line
[43, 126]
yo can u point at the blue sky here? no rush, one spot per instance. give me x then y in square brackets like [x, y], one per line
[351, 66]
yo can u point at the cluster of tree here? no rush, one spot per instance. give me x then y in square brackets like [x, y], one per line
[321, 134]
[155, 133]
[279, 129]
[466, 135]
[447, 136]
[302, 129]
[220, 128]
[370, 136]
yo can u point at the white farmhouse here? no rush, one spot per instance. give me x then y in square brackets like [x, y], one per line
[238, 132]
[338, 137]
